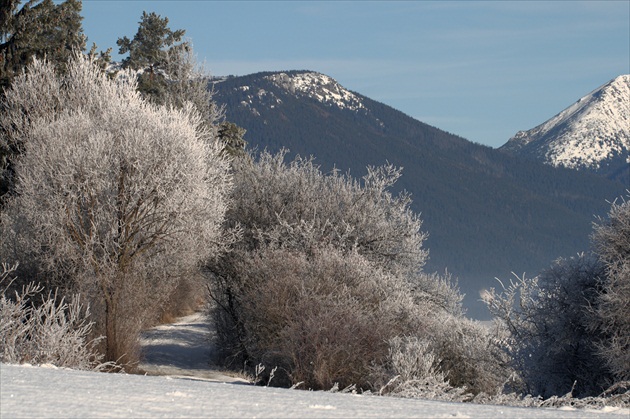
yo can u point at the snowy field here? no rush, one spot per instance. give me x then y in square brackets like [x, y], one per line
[58, 393]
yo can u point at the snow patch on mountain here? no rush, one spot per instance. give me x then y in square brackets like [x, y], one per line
[585, 135]
[317, 86]
[260, 97]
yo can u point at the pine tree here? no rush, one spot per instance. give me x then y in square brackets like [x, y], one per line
[231, 135]
[169, 75]
[149, 51]
[39, 28]
[34, 29]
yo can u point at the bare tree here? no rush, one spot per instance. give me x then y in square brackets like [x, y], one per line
[118, 195]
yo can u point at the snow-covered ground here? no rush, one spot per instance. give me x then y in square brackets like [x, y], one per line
[48, 392]
[181, 383]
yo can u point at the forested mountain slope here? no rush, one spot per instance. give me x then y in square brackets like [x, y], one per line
[487, 213]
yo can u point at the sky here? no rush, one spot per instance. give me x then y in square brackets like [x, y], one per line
[480, 69]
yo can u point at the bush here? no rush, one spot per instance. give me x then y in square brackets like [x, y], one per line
[467, 354]
[454, 359]
[547, 319]
[51, 331]
[298, 205]
[417, 374]
[611, 239]
[568, 330]
[328, 271]
[323, 318]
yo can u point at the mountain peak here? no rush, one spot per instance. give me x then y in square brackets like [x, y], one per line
[593, 133]
[318, 86]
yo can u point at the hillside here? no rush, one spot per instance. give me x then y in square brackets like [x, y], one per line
[487, 213]
[592, 134]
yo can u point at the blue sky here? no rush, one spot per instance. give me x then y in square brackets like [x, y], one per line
[481, 70]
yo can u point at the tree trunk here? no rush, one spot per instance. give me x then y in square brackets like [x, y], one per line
[111, 351]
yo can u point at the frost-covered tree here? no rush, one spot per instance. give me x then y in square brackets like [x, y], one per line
[28, 29]
[569, 328]
[117, 197]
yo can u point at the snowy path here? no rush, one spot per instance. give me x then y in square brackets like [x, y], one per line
[182, 348]
[58, 393]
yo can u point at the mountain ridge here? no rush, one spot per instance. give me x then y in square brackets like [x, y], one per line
[487, 213]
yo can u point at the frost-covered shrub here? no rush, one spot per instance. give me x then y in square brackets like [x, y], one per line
[611, 239]
[453, 359]
[415, 371]
[547, 319]
[618, 395]
[39, 329]
[327, 271]
[468, 355]
[298, 204]
[569, 329]
[116, 198]
[322, 318]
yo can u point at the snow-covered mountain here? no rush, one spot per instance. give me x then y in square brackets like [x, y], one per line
[592, 134]
[470, 196]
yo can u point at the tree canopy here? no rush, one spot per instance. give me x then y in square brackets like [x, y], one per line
[150, 51]
[37, 28]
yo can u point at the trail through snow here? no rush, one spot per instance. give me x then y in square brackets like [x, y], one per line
[183, 348]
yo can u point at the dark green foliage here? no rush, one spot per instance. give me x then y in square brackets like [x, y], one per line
[149, 51]
[34, 29]
[37, 28]
[232, 136]
[488, 214]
